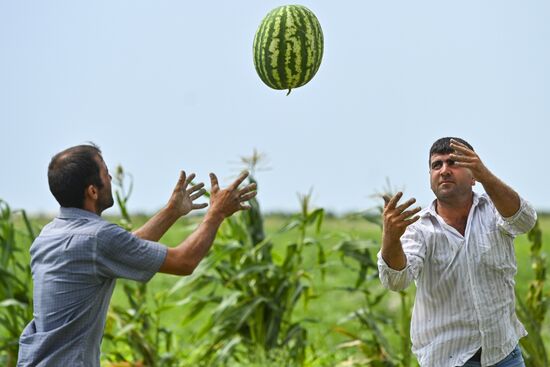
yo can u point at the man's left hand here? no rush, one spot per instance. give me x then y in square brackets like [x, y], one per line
[467, 158]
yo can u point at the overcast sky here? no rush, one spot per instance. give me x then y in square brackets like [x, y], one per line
[167, 85]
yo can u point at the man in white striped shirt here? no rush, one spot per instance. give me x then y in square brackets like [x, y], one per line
[460, 253]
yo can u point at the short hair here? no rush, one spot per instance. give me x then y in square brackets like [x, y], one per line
[71, 171]
[443, 146]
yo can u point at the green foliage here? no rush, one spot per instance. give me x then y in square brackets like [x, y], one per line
[15, 283]
[532, 311]
[252, 291]
[240, 307]
[135, 331]
[377, 326]
[122, 195]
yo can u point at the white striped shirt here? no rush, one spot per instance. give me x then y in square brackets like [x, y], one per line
[465, 284]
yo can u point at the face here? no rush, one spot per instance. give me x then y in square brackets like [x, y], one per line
[447, 180]
[105, 199]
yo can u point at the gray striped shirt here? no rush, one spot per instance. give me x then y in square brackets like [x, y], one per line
[75, 262]
[465, 284]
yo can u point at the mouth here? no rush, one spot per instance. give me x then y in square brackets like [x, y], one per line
[446, 182]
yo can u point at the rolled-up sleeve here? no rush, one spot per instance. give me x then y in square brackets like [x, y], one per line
[415, 250]
[521, 222]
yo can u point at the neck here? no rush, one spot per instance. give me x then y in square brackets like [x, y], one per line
[455, 212]
[91, 207]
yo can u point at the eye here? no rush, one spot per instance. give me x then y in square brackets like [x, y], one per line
[437, 165]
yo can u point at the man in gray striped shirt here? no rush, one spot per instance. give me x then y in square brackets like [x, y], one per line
[77, 258]
[460, 253]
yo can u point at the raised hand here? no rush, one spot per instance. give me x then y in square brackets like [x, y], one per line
[505, 199]
[183, 196]
[396, 217]
[227, 201]
[465, 157]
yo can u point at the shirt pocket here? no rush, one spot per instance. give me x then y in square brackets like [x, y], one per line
[444, 251]
[497, 251]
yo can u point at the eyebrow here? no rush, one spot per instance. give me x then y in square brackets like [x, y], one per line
[450, 162]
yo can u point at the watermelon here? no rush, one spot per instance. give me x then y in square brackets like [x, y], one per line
[288, 47]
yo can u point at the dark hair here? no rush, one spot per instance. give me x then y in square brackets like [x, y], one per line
[71, 171]
[443, 146]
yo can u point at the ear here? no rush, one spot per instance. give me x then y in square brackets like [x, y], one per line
[92, 192]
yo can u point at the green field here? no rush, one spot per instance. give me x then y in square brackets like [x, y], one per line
[332, 338]
[333, 303]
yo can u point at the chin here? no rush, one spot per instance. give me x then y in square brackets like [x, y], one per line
[444, 195]
[108, 204]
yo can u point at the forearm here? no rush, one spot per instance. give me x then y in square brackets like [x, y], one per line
[184, 258]
[392, 268]
[505, 199]
[392, 253]
[157, 226]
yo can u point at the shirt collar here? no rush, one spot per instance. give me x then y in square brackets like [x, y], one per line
[431, 209]
[70, 213]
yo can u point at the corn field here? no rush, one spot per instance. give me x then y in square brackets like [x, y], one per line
[256, 299]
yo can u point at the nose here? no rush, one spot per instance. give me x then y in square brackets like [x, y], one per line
[445, 169]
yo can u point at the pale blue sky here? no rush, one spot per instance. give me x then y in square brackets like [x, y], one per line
[168, 85]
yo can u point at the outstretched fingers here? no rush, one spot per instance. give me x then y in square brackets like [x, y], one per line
[238, 181]
[231, 199]
[248, 188]
[398, 216]
[405, 205]
[408, 222]
[199, 206]
[197, 194]
[194, 188]
[247, 196]
[188, 180]
[393, 201]
[463, 160]
[464, 156]
[180, 185]
[407, 214]
[466, 164]
[460, 148]
[215, 186]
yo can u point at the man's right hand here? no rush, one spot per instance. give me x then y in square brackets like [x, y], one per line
[396, 220]
[183, 259]
[225, 202]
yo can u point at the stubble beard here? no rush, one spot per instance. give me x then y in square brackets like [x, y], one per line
[452, 195]
[106, 201]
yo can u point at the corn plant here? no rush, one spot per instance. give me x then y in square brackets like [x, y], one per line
[532, 311]
[135, 332]
[15, 283]
[250, 291]
[122, 195]
[377, 327]
[373, 339]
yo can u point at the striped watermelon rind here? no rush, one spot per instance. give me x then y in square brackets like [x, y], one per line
[288, 47]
